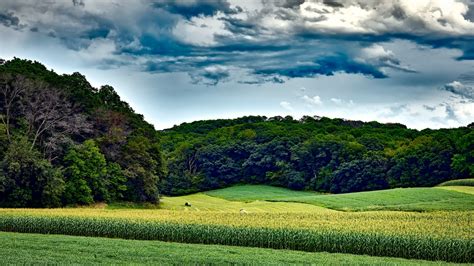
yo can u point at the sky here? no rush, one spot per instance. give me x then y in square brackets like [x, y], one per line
[404, 61]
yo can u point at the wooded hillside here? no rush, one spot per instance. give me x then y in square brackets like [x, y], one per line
[63, 141]
[313, 153]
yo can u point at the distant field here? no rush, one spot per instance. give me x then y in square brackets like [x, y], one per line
[459, 182]
[57, 249]
[463, 189]
[402, 199]
[258, 192]
[203, 202]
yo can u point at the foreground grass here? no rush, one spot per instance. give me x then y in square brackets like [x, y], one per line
[400, 199]
[57, 249]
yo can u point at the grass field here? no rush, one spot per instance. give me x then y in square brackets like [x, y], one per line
[249, 193]
[463, 189]
[57, 249]
[459, 182]
[402, 199]
[205, 202]
[282, 219]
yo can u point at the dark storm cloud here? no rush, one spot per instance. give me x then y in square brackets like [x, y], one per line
[78, 3]
[192, 8]
[273, 42]
[429, 108]
[470, 13]
[288, 3]
[327, 66]
[211, 75]
[8, 19]
[333, 3]
[460, 89]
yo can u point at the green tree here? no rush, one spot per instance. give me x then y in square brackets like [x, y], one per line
[463, 162]
[28, 180]
[143, 166]
[115, 182]
[368, 173]
[424, 162]
[86, 173]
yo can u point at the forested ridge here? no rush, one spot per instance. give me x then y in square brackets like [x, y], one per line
[64, 142]
[313, 153]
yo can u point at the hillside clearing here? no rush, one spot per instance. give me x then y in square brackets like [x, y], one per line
[459, 182]
[463, 189]
[203, 202]
[400, 199]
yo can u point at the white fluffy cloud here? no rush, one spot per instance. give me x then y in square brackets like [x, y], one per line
[338, 101]
[312, 101]
[386, 16]
[377, 55]
[286, 105]
[201, 31]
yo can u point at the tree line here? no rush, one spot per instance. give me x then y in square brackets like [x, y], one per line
[313, 153]
[64, 142]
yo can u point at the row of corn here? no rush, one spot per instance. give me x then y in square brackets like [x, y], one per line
[369, 243]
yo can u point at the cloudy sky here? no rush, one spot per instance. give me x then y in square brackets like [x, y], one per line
[174, 61]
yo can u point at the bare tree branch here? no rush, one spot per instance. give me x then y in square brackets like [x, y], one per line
[11, 89]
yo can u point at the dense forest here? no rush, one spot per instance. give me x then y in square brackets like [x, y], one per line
[64, 142]
[313, 153]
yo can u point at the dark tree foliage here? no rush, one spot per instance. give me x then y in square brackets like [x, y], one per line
[64, 141]
[27, 179]
[313, 153]
[361, 174]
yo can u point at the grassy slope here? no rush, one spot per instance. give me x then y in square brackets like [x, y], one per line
[203, 202]
[406, 199]
[257, 192]
[57, 249]
[463, 189]
[459, 182]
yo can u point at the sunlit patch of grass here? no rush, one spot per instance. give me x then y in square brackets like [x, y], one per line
[402, 199]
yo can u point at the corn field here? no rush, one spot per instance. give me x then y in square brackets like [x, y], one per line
[438, 236]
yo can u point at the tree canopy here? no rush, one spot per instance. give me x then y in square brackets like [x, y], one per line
[313, 153]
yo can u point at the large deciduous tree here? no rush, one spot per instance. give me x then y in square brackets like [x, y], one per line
[86, 173]
[142, 164]
[52, 119]
[12, 89]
